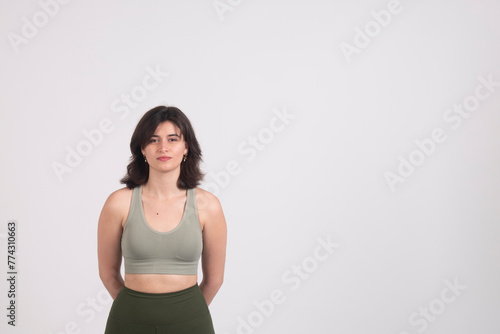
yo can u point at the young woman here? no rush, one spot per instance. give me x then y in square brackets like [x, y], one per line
[162, 224]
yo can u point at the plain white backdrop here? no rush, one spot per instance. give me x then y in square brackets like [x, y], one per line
[354, 146]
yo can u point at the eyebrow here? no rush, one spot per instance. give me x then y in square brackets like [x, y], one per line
[170, 135]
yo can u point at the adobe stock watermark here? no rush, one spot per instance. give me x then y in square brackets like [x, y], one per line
[12, 271]
[371, 30]
[120, 108]
[453, 117]
[293, 278]
[422, 318]
[223, 6]
[249, 149]
[86, 311]
[31, 27]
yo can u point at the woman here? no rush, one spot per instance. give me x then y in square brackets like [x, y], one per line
[162, 224]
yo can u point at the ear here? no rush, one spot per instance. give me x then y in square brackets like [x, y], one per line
[186, 149]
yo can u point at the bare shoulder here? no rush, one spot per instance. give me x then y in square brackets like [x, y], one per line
[118, 204]
[206, 201]
[120, 197]
[209, 207]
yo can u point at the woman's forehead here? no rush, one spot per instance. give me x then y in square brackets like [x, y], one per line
[169, 127]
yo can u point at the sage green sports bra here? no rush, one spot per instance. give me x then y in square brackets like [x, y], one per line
[147, 251]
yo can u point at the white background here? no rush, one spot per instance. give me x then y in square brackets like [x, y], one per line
[320, 173]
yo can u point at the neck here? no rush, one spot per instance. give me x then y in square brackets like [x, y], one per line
[163, 185]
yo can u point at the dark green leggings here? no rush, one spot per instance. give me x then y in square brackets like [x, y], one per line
[184, 311]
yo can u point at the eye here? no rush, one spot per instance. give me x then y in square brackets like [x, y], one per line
[173, 139]
[153, 140]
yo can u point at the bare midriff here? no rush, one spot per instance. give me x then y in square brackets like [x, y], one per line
[159, 283]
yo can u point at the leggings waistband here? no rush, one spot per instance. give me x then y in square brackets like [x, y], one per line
[158, 295]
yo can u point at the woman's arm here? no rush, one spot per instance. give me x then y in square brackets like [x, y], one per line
[213, 257]
[109, 234]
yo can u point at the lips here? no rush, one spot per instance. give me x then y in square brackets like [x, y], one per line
[164, 158]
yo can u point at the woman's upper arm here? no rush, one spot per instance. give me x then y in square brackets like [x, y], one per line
[214, 238]
[109, 233]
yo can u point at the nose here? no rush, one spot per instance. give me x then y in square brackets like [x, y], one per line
[163, 146]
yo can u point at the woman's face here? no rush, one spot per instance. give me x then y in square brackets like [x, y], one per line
[166, 148]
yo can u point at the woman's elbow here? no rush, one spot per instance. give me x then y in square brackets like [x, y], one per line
[107, 275]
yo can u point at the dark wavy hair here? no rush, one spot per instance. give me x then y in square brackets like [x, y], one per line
[138, 169]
